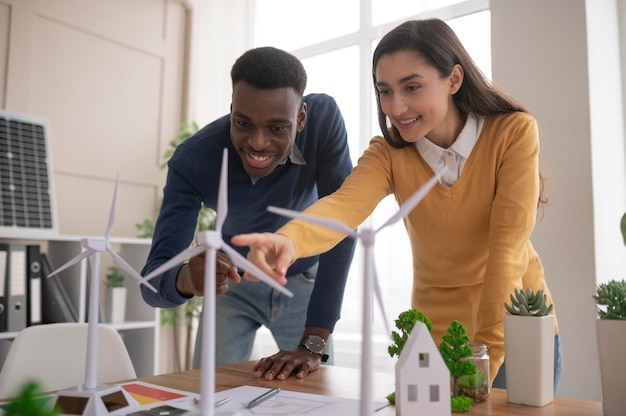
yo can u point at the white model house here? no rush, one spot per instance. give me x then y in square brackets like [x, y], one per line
[422, 377]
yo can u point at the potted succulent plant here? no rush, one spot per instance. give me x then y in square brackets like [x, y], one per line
[529, 348]
[610, 299]
[115, 295]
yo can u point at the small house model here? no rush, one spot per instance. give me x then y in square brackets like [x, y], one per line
[422, 377]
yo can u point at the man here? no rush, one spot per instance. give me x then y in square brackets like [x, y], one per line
[285, 150]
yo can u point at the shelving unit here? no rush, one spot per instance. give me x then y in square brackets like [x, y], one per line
[140, 330]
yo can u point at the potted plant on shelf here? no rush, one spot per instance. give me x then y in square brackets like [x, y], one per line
[610, 299]
[529, 348]
[115, 295]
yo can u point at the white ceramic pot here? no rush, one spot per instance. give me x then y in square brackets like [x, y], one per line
[529, 358]
[116, 304]
[611, 336]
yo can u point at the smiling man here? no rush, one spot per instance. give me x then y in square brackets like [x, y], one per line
[285, 150]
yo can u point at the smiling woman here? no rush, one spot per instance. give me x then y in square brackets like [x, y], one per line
[338, 62]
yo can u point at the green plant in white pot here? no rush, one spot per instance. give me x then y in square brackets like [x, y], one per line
[529, 348]
[610, 299]
[115, 295]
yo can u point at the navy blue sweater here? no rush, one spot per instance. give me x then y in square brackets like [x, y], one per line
[193, 177]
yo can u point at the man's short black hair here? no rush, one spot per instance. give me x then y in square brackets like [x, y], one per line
[269, 68]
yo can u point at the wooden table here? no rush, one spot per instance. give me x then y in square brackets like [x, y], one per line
[345, 382]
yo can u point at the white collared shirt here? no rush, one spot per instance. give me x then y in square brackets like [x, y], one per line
[449, 162]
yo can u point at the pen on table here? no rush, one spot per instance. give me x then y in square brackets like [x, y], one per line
[257, 401]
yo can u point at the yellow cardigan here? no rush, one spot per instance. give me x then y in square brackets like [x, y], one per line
[470, 241]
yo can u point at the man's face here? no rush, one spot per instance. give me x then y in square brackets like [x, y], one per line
[263, 126]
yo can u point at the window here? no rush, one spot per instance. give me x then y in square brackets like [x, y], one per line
[434, 392]
[335, 41]
[424, 360]
[412, 392]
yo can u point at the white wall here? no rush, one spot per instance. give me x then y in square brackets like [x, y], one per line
[220, 33]
[561, 58]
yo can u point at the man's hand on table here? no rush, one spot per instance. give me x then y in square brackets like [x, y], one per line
[285, 362]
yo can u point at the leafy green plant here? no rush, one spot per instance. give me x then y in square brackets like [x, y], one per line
[454, 349]
[405, 322]
[114, 277]
[461, 403]
[528, 303]
[610, 300]
[186, 130]
[31, 402]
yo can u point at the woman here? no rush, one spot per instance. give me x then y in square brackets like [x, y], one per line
[470, 234]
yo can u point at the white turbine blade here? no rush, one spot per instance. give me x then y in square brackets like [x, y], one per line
[243, 263]
[72, 262]
[222, 196]
[176, 260]
[411, 202]
[112, 213]
[324, 222]
[129, 270]
[379, 299]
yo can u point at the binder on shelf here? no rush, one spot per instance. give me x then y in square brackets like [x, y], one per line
[17, 306]
[33, 257]
[4, 265]
[56, 305]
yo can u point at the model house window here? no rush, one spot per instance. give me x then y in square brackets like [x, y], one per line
[411, 392]
[424, 359]
[335, 41]
[434, 392]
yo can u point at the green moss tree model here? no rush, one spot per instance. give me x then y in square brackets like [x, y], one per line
[454, 349]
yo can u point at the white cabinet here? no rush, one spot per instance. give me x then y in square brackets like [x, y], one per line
[140, 330]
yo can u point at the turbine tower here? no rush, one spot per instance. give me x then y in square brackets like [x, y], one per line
[91, 398]
[210, 242]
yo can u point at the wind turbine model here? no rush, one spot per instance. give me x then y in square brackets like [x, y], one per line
[91, 398]
[370, 281]
[210, 242]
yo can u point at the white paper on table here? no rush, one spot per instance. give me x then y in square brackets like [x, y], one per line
[287, 403]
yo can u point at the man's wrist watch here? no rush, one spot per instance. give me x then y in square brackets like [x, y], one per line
[316, 345]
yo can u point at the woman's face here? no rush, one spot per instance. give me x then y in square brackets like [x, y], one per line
[417, 101]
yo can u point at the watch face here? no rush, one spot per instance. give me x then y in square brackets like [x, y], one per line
[315, 344]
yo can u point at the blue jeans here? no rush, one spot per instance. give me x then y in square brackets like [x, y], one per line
[248, 305]
[500, 380]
